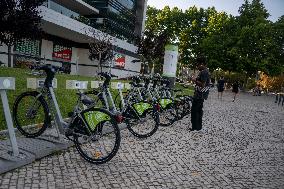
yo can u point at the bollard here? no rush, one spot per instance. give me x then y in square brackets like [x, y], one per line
[8, 83]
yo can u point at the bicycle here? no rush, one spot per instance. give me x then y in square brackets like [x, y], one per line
[141, 118]
[173, 107]
[89, 128]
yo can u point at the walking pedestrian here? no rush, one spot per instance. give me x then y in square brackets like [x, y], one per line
[201, 92]
[221, 87]
[235, 90]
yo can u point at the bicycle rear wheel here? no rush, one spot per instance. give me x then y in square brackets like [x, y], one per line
[168, 115]
[187, 106]
[145, 125]
[31, 114]
[102, 140]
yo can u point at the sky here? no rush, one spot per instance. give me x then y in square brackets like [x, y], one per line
[275, 7]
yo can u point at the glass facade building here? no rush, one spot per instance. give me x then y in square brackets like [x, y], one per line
[116, 17]
[120, 18]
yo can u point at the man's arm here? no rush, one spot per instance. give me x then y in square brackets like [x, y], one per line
[203, 78]
[199, 83]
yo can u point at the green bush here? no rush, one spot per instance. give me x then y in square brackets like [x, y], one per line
[66, 98]
[250, 84]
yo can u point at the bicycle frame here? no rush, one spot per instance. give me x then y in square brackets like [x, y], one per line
[60, 123]
[106, 92]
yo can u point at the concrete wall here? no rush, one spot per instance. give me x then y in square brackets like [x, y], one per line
[83, 58]
[74, 59]
[83, 55]
[3, 57]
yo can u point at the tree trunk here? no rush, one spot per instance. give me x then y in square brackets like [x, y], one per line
[9, 56]
[100, 63]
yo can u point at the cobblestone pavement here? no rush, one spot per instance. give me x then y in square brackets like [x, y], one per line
[242, 147]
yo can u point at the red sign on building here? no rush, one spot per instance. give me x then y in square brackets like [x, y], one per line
[62, 53]
[119, 60]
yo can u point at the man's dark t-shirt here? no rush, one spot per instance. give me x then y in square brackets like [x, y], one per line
[203, 76]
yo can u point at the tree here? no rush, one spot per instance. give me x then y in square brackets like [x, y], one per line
[219, 45]
[151, 48]
[254, 37]
[101, 47]
[277, 52]
[19, 19]
[192, 35]
[247, 43]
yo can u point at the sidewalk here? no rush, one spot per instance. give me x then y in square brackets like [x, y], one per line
[242, 147]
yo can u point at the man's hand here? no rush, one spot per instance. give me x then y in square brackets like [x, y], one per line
[192, 78]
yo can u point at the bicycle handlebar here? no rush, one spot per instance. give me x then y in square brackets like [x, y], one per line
[49, 68]
[50, 71]
[107, 75]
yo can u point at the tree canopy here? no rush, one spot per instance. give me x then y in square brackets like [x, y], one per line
[245, 43]
[19, 19]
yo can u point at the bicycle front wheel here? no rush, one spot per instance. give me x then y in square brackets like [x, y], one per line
[143, 126]
[102, 140]
[31, 114]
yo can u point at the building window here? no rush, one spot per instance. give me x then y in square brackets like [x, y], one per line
[27, 52]
[28, 47]
[63, 10]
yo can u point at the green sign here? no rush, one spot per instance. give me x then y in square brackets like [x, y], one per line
[141, 107]
[164, 102]
[171, 48]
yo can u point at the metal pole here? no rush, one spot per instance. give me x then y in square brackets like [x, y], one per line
[9, 123]
[77, 66]
[121, 97]
[111, 100]
[58, 117]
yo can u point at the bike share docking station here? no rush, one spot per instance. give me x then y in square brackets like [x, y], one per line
[11, 154]
[52, 140]
[20, 151]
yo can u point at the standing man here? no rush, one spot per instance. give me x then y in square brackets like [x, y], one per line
[202, 86]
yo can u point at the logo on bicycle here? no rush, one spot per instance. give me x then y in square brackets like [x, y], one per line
[141, 107]
[95, 117]
[165, 102]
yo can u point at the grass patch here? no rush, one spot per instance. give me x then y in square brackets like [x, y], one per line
[66, 98]
[188, 91]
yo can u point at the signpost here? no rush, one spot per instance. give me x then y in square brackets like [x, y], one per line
[170, 62]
